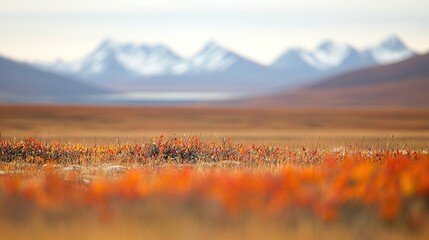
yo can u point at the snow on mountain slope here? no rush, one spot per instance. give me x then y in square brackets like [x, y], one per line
[112, 62]
[136, 59]
[294, 63]
[293, 58]
[391, 50]
[128, 58]
[211, 58]
[332, 58]
[327, 56]
[330, 54]
[144, 60]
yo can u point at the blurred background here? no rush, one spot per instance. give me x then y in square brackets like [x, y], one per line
[254, 70]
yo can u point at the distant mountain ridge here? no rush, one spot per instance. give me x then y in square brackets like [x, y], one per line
[400, 84]
[139, 67]
[22, 83]
[130, 60]
[112, 59]
[331, 58]
[130, 67]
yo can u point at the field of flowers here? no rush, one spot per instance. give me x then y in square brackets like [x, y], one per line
[222, 181]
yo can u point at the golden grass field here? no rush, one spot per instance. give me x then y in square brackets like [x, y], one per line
[104, 124]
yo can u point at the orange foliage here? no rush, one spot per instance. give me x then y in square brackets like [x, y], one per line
[321, 182]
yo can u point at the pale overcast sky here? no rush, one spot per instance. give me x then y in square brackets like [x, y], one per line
[44, 30]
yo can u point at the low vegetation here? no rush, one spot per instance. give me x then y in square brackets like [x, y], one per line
[215, 180]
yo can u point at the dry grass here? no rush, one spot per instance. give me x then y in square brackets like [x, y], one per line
[91, 124]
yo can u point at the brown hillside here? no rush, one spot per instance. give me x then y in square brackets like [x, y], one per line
[402, 84]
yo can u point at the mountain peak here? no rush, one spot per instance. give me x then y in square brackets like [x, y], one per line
[212, 57]
[329, 54]
[392, 42]
[329, 45]
[212, 46]
[390, 50]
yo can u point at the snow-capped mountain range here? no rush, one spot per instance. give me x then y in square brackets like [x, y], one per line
[332, 58]
[111, 58]
[143, 67]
